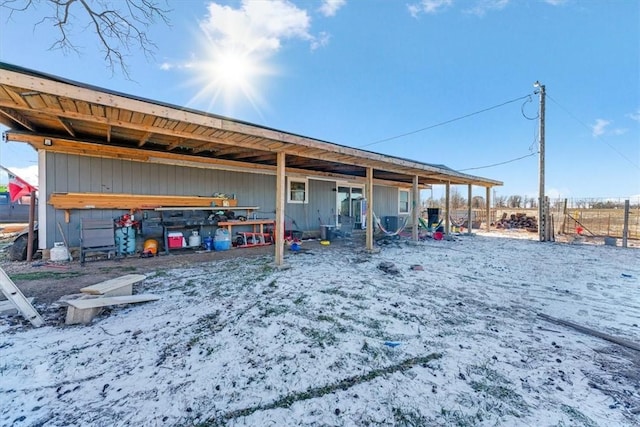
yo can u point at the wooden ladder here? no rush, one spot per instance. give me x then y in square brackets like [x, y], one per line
[13, 294]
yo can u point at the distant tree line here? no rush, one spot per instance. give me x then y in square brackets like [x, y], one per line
[458, 201]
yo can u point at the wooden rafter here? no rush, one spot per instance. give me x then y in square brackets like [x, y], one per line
[144, 139]
[176, 143]
[231, 150]
[207, 146]
[16, 97]
[17, 118]
[67, 126]
[254, 157]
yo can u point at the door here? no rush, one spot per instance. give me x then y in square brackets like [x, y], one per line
[349, 203]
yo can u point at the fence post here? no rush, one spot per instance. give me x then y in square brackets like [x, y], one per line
[547, 220]
[488, 191]
[564, 216]
[625, 228]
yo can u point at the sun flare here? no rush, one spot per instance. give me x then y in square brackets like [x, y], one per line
[229, 76]
[232, 70]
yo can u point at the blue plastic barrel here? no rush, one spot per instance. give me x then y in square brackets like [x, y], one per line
[222, 241]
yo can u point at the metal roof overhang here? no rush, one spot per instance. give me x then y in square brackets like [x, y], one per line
[80, 119]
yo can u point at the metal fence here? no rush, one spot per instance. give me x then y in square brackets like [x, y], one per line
[597, 217]
[589, 217]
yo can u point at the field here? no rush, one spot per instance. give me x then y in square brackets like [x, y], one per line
[422, 334]
[593, 222]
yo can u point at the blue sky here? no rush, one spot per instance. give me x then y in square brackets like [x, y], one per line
[385, 75]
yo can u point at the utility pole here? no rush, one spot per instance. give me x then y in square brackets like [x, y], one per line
[542, 218]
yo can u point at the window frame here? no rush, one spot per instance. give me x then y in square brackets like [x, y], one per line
[408, 202]
[305, 192]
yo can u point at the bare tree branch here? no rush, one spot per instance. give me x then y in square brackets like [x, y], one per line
[120, 25]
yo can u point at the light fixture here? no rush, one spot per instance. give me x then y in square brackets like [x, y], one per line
[48, 142]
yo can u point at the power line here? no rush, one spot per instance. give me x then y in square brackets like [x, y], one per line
[573, 116]
[501, 163]
[445, 122]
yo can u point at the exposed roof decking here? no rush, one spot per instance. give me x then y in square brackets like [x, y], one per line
[37, 104]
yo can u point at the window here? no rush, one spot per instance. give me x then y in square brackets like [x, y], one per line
[403, 201]
[297, 191]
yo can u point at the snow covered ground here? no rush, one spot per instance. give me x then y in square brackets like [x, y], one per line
[451, 336]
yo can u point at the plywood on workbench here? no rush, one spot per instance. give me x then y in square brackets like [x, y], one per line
[130, 201]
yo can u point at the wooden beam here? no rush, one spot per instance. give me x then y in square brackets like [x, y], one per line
[488, 207]
[144, 139]
[61, 145]
[231, 150]
[109, 133]
[447, 207]
[469, 197]
[280, 198]
[369, 201]
[16, 97]
[255, 157]
[67, 126]
[178, 142]
[18, 118]
[207, 146]
[415, 202]
[68, 201]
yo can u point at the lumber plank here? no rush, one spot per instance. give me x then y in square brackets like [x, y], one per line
[132, 201]
[84, 310]
[119, 286]
[107, 301]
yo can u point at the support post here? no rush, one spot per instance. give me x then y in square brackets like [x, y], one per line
[32, 217]
[447, 202]
[369, 197]
[416, 209]
[488, 207]
[280, 194]
[625, 228]
[470, 224]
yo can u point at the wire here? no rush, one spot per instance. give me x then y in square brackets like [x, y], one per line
[522, 110]
[445, 122]
[573, 116]
[501, 163]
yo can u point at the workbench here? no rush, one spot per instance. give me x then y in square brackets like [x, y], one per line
[258, 224]
[186, 222]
